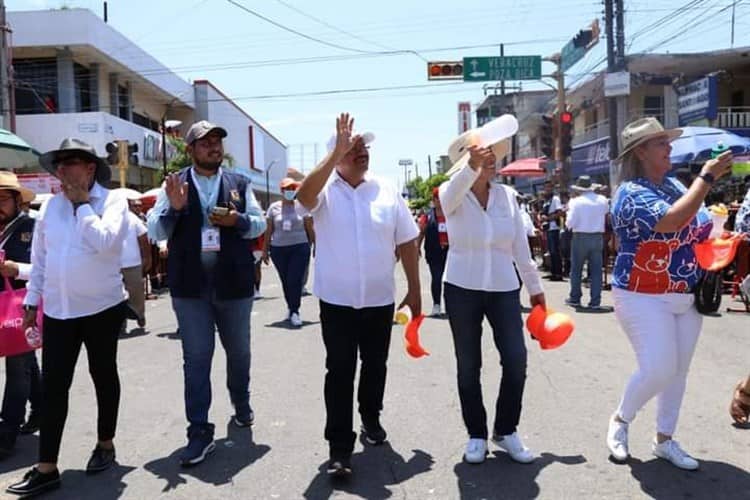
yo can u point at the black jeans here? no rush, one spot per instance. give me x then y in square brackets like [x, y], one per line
[345, 332]
[62, 340]
[291, 263]
[437, 267]
[466, 310]
[553, 247]
[22, 383]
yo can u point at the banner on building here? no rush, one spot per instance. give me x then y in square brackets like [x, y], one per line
[617, 84]
[591, 158]
[40, 183]
[464, 117]
[697, 101]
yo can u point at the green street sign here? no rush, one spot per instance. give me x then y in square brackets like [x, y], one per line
[570, 55]
[484, 69]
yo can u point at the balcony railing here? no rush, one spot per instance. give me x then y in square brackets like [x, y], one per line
[734, 117]
[591, 132]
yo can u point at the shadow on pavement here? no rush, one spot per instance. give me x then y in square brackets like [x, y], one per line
[286, 325]
[500, 477]
[660, 479]
[374, 470]
[233, 453]
[24, 455]
[106, 485]
[135, 332]
[169, 335]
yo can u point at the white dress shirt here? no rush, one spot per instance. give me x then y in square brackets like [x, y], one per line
[76, 257]
[587, 213]
[357, 231]
[485, 243]
[131, 249]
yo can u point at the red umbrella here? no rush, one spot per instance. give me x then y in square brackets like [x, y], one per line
[528, 167]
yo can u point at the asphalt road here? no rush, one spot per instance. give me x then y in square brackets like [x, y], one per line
[569, 396]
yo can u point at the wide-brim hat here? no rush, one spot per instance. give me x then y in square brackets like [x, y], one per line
[495, 134]
[583, 184]
[9, 181]
[72, 147]
[636, 133]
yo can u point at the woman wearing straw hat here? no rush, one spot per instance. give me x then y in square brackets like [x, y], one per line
[289, 233]
[657, 220]
[487, 237]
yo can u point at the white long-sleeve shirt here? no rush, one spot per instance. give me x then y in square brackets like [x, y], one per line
[485, 243]
[75, 257]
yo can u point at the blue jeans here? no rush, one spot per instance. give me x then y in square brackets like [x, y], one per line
[466, 311]
[291, 262]
[197, 320]
[586, 247]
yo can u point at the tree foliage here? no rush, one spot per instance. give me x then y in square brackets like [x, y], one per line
[181, 159]
[420, 190]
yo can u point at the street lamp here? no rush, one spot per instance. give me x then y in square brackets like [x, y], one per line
[268, 189]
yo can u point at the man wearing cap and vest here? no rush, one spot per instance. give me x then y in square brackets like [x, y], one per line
[587, 216]
[208, 215]
[79, 232]
[360, 222]
[22, 377]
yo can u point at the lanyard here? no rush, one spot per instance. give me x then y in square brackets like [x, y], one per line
[8, 231]
[206, 199]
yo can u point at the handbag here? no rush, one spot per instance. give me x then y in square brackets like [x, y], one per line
[708, 292]
[13, 338]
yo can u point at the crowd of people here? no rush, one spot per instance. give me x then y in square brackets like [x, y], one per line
[479, 239]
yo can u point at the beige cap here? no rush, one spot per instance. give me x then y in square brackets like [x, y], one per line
[201, 129]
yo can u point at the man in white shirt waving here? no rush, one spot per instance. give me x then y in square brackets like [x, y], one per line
[75, 258]
[360, 222]
[587, 214]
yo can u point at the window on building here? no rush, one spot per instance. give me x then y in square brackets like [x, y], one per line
[36, 85]
[123, 102]
[653, 105]
[145, 121]
[83, 88]
[738, 99]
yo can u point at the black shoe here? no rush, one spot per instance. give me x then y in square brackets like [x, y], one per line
[557, 278]
[141, 322]
[373, 432]
[7, 443]
[200, 444]
[35, 482]
[101, 459]
[339, 466]
[31, 425]
[244, 421]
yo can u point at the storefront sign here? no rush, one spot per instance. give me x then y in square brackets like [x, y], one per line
[697, 100]
[591, 158]
[617, 84]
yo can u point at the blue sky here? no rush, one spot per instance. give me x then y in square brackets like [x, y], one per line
[197, 37]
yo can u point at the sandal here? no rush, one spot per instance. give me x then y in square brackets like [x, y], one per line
[740, 407]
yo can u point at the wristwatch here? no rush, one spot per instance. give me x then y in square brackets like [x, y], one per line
[708, 177]
[27, 307]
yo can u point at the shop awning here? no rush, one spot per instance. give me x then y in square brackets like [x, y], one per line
[527, 167]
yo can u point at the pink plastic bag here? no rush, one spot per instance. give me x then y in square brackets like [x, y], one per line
[13, 339]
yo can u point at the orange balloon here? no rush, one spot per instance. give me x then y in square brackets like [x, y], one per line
[715, 254]
[411, 338]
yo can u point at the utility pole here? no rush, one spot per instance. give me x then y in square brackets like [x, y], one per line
[4, 73]
[622, 101]
[611, 66]
[429, 165]
[734, 6]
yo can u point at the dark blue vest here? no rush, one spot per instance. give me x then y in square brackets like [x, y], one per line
[234, 273]
[18, 247]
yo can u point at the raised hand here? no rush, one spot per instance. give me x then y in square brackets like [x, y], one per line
[177, 192]
[344, 138]
[719, 166]
[481, 157]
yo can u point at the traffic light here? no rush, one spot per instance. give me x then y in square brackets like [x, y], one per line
[132, 156]
[566, 134]
[445, 70]
[547, 136]
[113, 154]
[582, 39]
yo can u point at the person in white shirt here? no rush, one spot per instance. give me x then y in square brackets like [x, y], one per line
[487, 237]
[587, 215]
[136, 258]
[360, 223]
[75, 256]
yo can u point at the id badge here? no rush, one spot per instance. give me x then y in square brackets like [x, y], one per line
[286, 225]
[442, 227]
[210, 240]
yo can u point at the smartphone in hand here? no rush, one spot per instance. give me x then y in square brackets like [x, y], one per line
[220, 211]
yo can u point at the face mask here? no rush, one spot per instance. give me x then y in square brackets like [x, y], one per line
[289, 195]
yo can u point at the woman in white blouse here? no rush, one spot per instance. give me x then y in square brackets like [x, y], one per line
[487, 238]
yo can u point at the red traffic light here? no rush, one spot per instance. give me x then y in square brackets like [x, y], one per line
[445, 70]
[566, 117]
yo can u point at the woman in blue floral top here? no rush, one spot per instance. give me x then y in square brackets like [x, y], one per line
[657, 221]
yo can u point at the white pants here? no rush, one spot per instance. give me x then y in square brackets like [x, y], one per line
[663, 330]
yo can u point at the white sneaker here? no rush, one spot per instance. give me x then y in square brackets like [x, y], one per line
[514, 446]
[436, 311]
[295, 320]
[617, 440]
[670, 450]
[257, 294]
[476, 451]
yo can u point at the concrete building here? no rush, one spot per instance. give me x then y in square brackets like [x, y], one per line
[76, 76]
